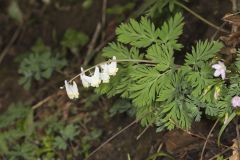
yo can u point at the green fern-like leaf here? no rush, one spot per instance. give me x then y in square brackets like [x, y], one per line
[161, 54]
[197, 69]
[121, 52]
[203, 52]
[118, 84]
[15, 112]
[137, 34]
[147, 83]
[175, 108]
[171, 30]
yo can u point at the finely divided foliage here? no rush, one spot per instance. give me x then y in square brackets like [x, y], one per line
[162, 92]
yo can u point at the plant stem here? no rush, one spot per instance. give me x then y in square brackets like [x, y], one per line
[209, 134]
[120, 60]
[200, 17]
[238, 137]
[111, 138]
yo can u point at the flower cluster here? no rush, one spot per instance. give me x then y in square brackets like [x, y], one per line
[102, 74]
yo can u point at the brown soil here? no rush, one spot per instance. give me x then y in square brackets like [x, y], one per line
[48, 20]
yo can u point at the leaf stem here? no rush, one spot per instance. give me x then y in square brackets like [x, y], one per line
[200, 17]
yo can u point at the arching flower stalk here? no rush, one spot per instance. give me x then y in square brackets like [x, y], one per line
[103, 72]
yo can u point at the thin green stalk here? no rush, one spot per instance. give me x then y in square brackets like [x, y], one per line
[200, 17]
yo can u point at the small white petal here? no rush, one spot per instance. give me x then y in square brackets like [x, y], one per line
[85, 79]
[112, 67]
[75, 90]
[223, 74]
[217, 73]
[105, 77]
[105, 74]
[104, 67]
[221, 63]
[95, 79]
[216, 66]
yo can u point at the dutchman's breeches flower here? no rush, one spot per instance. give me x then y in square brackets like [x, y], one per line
[112, 67]
[220, 69]
[72, 90]
[85, 79]
[104, 75]
[95, 79]
[236, 101]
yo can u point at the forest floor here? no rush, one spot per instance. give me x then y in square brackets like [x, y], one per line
[49, 22]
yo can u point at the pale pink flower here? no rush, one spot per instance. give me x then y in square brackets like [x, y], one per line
[236, 101]
[220, 70]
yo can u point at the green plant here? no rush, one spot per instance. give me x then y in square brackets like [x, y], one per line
[87, 4]
[119, 10]
[121, 106]
[25, 136]
[39, 64]
[16, 127]
[163, 93]
[88, 139]
[15, 12]
[67, 134]
[74, 40]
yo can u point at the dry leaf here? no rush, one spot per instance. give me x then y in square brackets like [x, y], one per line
[235, 155]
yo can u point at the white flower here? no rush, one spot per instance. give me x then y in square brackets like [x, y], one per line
[95, 79]
[72, 90]
[85, 79]
[112, 67]
[220, 69]
[104, 75]
[236, 101]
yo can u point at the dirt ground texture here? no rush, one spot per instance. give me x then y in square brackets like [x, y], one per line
[43, 20]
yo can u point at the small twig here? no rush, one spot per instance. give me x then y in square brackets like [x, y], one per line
[103, 44]
[234, 9]
[92, 44]
[209, 134]
[159, 147]
[238, 137]
[200, 17]
[13, 39]
[40, 103]
[204, 138]
[217, 31]
[104, 7]
[224, 151]
[140, 135]
[234, 5]
[111, 138]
